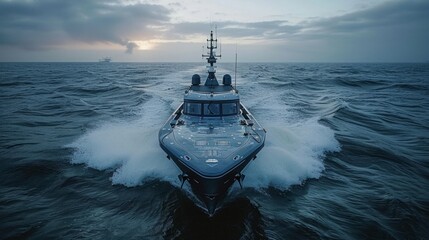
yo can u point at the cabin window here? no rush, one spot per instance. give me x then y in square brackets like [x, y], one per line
[229, 108]
[211, 109]
[193, 108]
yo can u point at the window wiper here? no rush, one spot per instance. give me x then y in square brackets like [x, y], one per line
[210, 111]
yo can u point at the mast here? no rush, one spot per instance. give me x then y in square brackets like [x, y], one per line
[211, 59]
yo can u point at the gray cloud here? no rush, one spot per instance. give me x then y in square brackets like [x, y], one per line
[394, 13]
[256, 30]
[130, 47]
[386, 15]
[42, 24]
[392, 31]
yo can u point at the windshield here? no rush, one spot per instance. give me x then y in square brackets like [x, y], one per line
[211, 109]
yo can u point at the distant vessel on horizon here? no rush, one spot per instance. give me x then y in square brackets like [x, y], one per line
[105, 59]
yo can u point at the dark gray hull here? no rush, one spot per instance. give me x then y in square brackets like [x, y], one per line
[211, 184]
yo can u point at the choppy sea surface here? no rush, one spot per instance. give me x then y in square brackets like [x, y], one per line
[346, 155]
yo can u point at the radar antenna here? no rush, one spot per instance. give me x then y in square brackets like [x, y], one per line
[211, 59]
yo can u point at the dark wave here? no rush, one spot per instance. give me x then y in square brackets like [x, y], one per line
[356, 82]
[407, 86]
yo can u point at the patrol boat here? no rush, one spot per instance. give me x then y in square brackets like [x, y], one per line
[211, 136]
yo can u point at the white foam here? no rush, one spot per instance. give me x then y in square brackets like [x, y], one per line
[291, 155]
[129, 148]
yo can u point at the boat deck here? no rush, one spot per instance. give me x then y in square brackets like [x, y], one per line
[212, 145]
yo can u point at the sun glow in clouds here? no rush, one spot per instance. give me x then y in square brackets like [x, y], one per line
[145, 45]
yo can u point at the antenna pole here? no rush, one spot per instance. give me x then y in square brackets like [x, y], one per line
[235, 72]
[202, 52]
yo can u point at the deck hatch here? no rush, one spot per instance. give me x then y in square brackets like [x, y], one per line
[222, 143]
[201, 143]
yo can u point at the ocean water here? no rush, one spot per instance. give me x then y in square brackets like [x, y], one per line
[346, 155]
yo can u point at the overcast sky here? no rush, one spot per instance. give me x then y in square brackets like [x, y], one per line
[168, 30]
